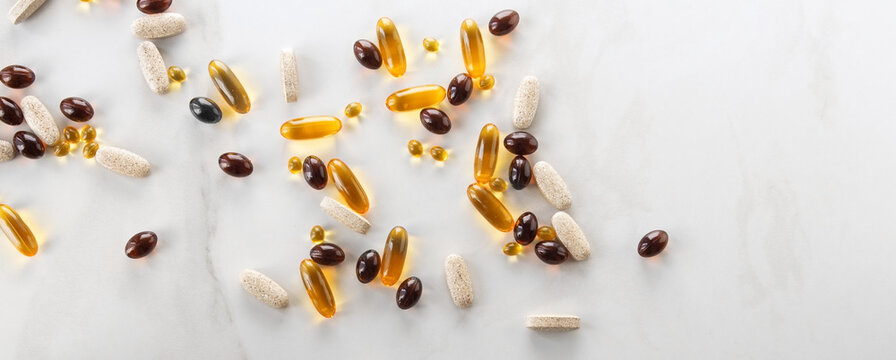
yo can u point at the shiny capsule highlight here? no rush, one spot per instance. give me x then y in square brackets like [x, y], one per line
[314, 170]
[525, 228]
[460, 89]
[141, 244]
[235, 164]
[415, 147]
[327, 254]
[415, 97]
[87, 133]
[472, 48]
[10, 112]
[367, 54]
[391, 47]
[310, 127]
[17, 76]
[551, 252]
[229, 86]
[435, 120]
[490, 207]
[205, 110]
[486, 153]
[28, 144]
[368, 266]
[438, 153]
[503, 22]
[348, 186]
[512, 249]
[409, 293]
[394, 253]
[318, 288]
[653, 243]
[76, 109]
[17, 231]
[520, 172]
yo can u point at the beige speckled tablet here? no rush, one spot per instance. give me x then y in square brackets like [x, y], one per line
[157, 26]
[264, 289]
[289, 75]
[525, 103]
[122, 161]
[460, 285]
[39, 120]
[553, 322]
[552, 185]
[345, 215]
[23, 9]
[7, 151]
[571, 235]
[153, 67]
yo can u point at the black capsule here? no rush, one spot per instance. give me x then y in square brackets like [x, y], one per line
[368, 266]
[327, 254]
[409, 293]
[551, 252]
[503, 22]
[315, 172]
[368, 54]
[141, 244]
[10, 113]
[526, 228]
[235, 164]
[205, 110]
[17, 76]
[653, 243]
[520, 143]
[435, 120]
[460, 89]
[29, 144]
[520, 172]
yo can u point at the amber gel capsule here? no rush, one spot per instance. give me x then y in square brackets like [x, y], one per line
[348, 186]
[472, 48]
[415, 97]
[486, 153]
[490, 207]
[393, 256]
[229, 86]
[311, 127]
[318, 288]
[17, 231]
[390, 47]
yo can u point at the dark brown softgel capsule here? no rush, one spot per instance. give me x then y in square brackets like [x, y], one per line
[235, 164]
[409, 293]
[520, 173]
[520, 143]
[29, 144]
[17, 76]
[76, 109]
[10, 113]
[551, 252]
[525, 228]
[315, 172]
[503, 22]
[368, 266]
[653, 243]
[460, 89]
[141, 244]
[327, 254]
[368, 54]
[153, 6]
[435, 120]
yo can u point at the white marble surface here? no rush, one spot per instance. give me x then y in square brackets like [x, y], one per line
[757, 133]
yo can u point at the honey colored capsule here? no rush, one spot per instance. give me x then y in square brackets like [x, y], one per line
[472, 48]
[486, 153]
[88, 133]
[17, 231]
[176, 74]
[71, 135]
[546, 233]
[390, 47]
[438, 153]
[295, 165]
[310, 127]
[393, 256]
[348, 186]
[486, 82]
[430, 44]
[415, 147]
[498, 185]
[317, 234]
[512, 249]
[353, 109]
[318, 288]
[89, 150]
[62, 149]
[229, 86]
[490, 207]
[415, 97]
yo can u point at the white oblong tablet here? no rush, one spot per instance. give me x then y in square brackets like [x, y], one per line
[264, 289]
[552, 185]
[7, 151]
[289, 75]
[345, 215]
[460, 284]
[157, 26]
[23, 9]
[122, 161]
[553, 322]
[39, 120]
[571, 235]
[525, 103]
[153, 67]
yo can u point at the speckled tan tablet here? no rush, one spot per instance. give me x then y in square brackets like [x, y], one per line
[571, 235]
[264, 289]
[460, 285]
[289, 75]
[553, 322]
[525, 103]
[122, 161]
[552, 185]
[153, 67]
[157, 26]
[7, 151]
[39, 120]
[345, 215]
[23, 9]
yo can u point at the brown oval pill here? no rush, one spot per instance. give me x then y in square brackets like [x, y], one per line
[551, 252]
[435, 120]
[368, 266]
[525, 228]
[17, 76]
[503, 22]
[460, 89]
[368, 54]
[141, 244]
[520, 173]
[29, 144]
[76, 109]
[10, 113]
[520, 143]
[327, 254]
[235, 164]
[315, 172]
[409, 293]
[653, 243]
[153, 6]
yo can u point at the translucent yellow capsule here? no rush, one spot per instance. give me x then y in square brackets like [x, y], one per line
[472, 48]
[393, 256]
[512, 249]
[430, 44]
[176, 74]
[317, 234]
[415, 148]
[415, 97]
[310, 127]
[89, 150]
[353, 109]
[438, 153]
[486, 82]
[348, 186]
[318, 288]
[17, 231]
[546, 233]
[390, 47]
[88, 133]
[71, 135]
[295, 165]
[229, 86]
[498, 185]
[62, 149]
[490, 207]
[486, 153]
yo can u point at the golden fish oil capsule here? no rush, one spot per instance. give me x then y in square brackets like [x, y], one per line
[353, 109]
[88, 133]
[415, 148]
[311, 127]
[317, 234]
[430, 44]
[393, 256]
[62, 149]
[176, 74]
[89, 150]
[490, 207]
[390, 47]
[295, 165]
[348, 186]
[486, 153]
[512, 249]
[17, 231]
[498, 185]
[318, 288]
[546, 233]
[71, 135]
[472, 48]
[438, 153]
[229, 86]
[486, 82]
[416, 97]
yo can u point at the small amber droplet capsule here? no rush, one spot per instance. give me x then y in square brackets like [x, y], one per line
[88, 133]
[229, 86]
[310, 127]
[416, 97]
[17, 231]
[295, 165]
[62, 149]
[486, 82]
[498, 185]
[546, 233]
[176, 74]
[512, 249]
[415, 148]
[353, 109]
[472, 48]
[71, 135]
[490, 207]
[318, 288]
[430, 44]
[349, 186]
[89, 150]
[438, 153]
[390, 47]
[393, 256]
[486, 153]
[317, 234]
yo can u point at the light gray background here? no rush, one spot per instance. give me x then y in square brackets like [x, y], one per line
[758, 134]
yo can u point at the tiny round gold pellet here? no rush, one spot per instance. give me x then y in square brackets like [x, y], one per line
[430, 44]
[89, 150]
[62, 149]
[415, 148]
[176, 74]
[353, 109]
[438, 153]
[512, 249]
[317, 234]
[546, 233]
[498, 185]
[486, 82]
[88, 133]
[71, 135]
[295, 165]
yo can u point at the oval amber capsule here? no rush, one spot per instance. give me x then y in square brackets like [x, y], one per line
[348, 186]
[368, 266]
[490, 207]
[367, 54]
[89, 149]
[76, 109]
[520, 143]
[390, 46]
[176, 74]
[71, 135]
[318, 288]
[415, 97]
[547, 233]
[327, 254]
[62, 149]
[229, 86]
[460, 89]
[472, 48]
[317, 234]
[512, 249]
[487, 82]
[503, 22]
[497, 185]
[315, 172]
[88, 133]
[310, 127]
[409, 293]
[29, 145]
[525, 228]
[235, 164]
[551, 252]
[393, 256]
[17, 231]
[141, 244]
[520, 172]
[486, 153]
[438, 153]
[353, 109]
[415, 147]
[653, 243]
[294, 165]
[435, 120]
[430, 44]
[17, 76]
[10, 113]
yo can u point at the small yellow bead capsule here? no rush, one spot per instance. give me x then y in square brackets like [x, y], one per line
[318, 288]
[62, 149]
[295, 165]
[416, 97]
[486, 153]
[310, 127]
[348, 186]
[71, 135]
[490, 207]
[486, 82]
[17, 231]
[317, 234]
[430, 44]
[353, 109]
[512, 249]
[390, 47]
[229, 86]
[393, 256]
[438, 153]
[176, 74]
[415, 148]
[498, 185]
[89, 150]
[546, 233]
[472, 48]
[88, 133]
